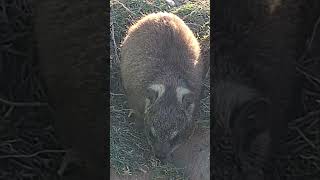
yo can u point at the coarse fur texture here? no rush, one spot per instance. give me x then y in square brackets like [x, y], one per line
[72, 56]
[256, 87]
[162, 74]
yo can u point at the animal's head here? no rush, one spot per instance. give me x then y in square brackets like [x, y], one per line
[169, 117]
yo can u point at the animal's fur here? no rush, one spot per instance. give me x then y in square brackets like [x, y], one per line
[161, 49]
[71, 42]
[256, 44]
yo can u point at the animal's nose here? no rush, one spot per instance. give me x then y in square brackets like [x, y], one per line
[162, 150]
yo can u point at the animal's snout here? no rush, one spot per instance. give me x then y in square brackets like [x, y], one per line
[162, 150]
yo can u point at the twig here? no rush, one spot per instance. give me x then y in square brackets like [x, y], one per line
[114, 43]
[115, 94]
[193, 24]
[10, 141]
[32, 155]
[311, 39]
[23, 104]
[7, 113]
[307, 116]
[117, 110]
[207, 74]
[118, 2]
[311, 78]
[21, 164]
[310, 157]
[314, 32]
[305, 138]
[16, 52]
[191, 13]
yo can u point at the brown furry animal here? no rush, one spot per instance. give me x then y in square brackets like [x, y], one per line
[71, 43]
[161, 74]
[256, 89]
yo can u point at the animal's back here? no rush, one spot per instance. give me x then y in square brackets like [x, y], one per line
[72, 57]
[160, 45]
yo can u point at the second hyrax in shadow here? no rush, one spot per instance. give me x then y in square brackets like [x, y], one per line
[256, 86]
[162, 73]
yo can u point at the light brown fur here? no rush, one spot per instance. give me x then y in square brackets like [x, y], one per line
[161, 49]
